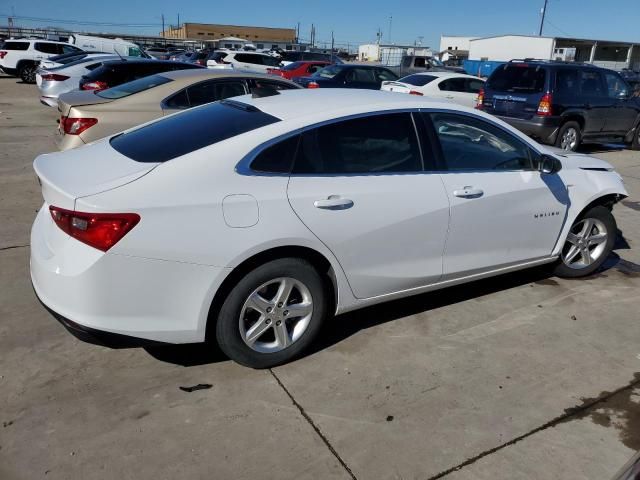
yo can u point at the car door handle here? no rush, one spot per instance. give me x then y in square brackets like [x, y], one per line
[450, 97]
[468, 192]
[334, 202]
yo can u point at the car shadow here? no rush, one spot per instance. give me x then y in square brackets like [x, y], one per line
[342, 327]
[595, 148]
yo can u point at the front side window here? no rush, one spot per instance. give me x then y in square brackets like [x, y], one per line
[136, 86]
[384, 75]
[360, 75]
[616, 86]
[329, 72]
[377, 144]
[471, 144]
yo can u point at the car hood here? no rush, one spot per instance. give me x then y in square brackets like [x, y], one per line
[572, 160]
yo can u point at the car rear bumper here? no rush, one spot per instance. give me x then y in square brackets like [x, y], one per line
[543, 129]
[114, 299]
[49, 101]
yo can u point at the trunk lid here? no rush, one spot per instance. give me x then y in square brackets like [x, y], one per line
[77, 98]
[96, 168]
[393, 86]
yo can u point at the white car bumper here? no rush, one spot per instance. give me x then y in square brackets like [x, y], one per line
[124, 298]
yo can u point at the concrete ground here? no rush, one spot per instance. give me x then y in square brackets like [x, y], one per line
[521, 376]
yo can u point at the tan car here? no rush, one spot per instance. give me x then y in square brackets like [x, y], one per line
[86, 116]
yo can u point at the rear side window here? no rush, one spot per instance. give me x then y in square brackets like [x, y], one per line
[15, 46]
[369, 145]
[189, 131]
[474, 86]
[567, 81]
[518, 77]
[293, 66]
[454, 85]
[418, 80]
[52, 48]
[591, 83]
[248, 58]
[136, 86]
[277, 158]
[470, 144]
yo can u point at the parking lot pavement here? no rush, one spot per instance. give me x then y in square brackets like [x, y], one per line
[521, 376]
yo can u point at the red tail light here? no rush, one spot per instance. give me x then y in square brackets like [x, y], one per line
[313, 85]
[3, 53]
[75, 126]
[199, 62]
[480, 100]
[544, 107]
[98, 230]
[415, 92]
[97, 85]
[54, 77]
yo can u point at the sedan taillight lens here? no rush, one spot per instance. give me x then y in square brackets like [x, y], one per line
[313, 85]
[3, 53]
[98, 230]
[97, 85]
[54, 77]
[75, 126]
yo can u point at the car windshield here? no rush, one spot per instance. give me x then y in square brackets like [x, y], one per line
[418, 80]
[135, 86]
[189, 131]
[518, 77]
[293, 66]
[328, 72]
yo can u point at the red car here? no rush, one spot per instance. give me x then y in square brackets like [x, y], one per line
[298, 69]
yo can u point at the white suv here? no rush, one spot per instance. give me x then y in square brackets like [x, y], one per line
[247, 61]
[21, 57]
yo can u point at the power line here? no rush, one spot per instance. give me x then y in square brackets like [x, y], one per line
[79, 22]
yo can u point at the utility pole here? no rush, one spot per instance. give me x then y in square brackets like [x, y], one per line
[162, 15]
[333, 42]
[178, 20]
[298, 33]
[390, 23]
[544, 13]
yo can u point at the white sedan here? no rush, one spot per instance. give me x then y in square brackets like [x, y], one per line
[456, 87]
[248, 222]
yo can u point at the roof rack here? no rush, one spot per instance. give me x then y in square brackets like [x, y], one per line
[546, 60]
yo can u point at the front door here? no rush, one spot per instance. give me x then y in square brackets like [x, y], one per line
[359, 186]
[503, 211]
[624, 112]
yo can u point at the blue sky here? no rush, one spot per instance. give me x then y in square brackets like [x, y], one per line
[352, 21]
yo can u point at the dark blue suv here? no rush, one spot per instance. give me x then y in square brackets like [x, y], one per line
[563, 104]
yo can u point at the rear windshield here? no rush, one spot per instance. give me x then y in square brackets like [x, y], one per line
[518, 77]
[15, 46]
[293, 66]
[189, 131]
[418, 80]
[136, 86]
[328, 72]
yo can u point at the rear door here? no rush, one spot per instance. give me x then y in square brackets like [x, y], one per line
[503, 211]
[11, 52]
[359, 186]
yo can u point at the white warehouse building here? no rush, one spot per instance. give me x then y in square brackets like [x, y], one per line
[605, 53]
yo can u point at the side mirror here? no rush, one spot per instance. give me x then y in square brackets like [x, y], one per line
[549, 165]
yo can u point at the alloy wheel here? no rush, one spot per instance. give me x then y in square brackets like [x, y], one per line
[569, 140]
[275, 315]
[585, 244]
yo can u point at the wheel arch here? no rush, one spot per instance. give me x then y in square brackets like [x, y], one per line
[573, 116]
[317, 259]
[24, 61]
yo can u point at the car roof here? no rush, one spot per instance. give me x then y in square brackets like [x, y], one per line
[442, 75]
[194, 74]
[139, 60]
[331, 102]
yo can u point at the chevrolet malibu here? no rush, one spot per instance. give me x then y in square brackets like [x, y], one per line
[248, 222]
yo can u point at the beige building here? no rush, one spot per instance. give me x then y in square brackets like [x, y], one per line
[212, 32]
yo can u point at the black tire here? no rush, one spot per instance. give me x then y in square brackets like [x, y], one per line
[227, 329]
[602, 215]
[635, 143]
[566, 128]
[27, 72]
